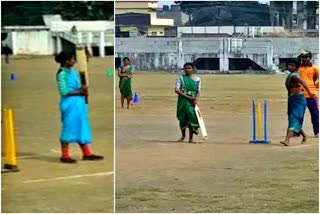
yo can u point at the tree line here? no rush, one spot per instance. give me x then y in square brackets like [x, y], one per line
[30, 13]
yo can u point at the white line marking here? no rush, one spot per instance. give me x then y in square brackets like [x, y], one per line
[25, 156]
[294, 147]
[300, 146]
[69, 177]
[54, 151]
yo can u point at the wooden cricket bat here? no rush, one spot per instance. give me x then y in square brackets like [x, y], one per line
[201, 123]
[82, 66]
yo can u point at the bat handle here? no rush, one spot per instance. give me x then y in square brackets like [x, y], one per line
[86, 99]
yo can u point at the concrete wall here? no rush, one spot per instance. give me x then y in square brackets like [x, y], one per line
[146, 45]
[152, 61]
[292, 47]
[148, 54]
[46, 40]
[32, 42]
[285, 46]
[84, 26]
[252, 30]
[171, 53]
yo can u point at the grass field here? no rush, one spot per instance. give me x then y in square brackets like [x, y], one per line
[84, 187]
[154, 173]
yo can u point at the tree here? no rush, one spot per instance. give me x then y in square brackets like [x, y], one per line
[207, 16]
[188, 7]
[30, 13]
[311, 9]
[226, 12]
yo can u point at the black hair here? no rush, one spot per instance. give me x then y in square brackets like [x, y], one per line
[63, 56]
[126, 58]
[188, 63]
[294, 61]
[305, 54]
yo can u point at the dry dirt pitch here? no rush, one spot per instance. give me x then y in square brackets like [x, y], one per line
[34, 98]
[224, 173]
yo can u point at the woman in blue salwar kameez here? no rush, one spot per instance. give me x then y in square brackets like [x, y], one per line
[74, 111]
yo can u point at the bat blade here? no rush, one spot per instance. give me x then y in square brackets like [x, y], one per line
[82, 67]
[201, 123]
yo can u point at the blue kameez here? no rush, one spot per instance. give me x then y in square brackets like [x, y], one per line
[74, 111]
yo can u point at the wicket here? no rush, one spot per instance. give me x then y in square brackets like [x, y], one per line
[10, 161]
[257, 123]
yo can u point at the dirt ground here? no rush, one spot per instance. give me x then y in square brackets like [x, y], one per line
[225, 173]
[43, 183]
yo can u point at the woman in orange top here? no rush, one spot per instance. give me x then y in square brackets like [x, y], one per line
[310, 74]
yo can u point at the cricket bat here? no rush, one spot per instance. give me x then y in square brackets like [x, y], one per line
[82, 66]
[201, 123]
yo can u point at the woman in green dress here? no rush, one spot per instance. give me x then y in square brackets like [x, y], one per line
[125, 72]
[188, 88]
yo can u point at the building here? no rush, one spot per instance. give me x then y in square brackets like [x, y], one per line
[57, 35]
[214, 55]
[295, 15]
[174, 12]
[127, 11]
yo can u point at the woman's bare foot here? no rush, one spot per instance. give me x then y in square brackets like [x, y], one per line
[304, 140]
[304, 137]
[285, 142]
[181, 139]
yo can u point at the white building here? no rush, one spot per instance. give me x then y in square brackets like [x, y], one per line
[50, 38]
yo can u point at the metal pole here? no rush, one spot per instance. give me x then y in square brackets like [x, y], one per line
[265, 110]
[254, 120]
[259, 121]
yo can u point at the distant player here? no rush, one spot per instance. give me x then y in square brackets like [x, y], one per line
[6, 51]
[125, 72]
[310, 74]
[74, 112]
[296, 102]
[88, 54]
[188, 88]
